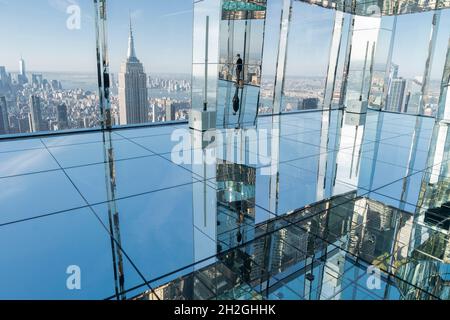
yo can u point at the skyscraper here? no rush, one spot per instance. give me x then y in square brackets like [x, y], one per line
[61, 117]
[395, 96]
[35, 116]
[3, 73]
[36, 80]
[4, 125]
[56, 85]
[4, 79]
[22, 72]
[24, 124]
[132, 87]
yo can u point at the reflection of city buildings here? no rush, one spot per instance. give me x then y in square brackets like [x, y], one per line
[413, 96]
[235, 203]
[309, 104]
[318, 248]
[323, 249]
[395, 95]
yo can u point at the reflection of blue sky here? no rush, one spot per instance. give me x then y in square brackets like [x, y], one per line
[32, 195]
[309, 40]
[163, 31]
[34, 264]
[311, 31]
[156, 231]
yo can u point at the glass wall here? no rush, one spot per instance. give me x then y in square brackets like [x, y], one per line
[437, 62]
[411, 45]
[270, 49]
[309, 42]
[150, 49]
[414, 64]
[242, 28]
[48, 67]
[205, 54]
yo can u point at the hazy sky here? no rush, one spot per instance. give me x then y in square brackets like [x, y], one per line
[37, 30]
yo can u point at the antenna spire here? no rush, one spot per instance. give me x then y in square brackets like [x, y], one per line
[131, 49]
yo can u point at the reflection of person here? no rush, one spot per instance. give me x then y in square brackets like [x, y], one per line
[238, 67]
[236, 101]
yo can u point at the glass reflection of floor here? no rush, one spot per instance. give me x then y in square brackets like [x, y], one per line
[344, 194]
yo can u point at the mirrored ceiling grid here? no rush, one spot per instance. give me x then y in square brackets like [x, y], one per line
[225, 150]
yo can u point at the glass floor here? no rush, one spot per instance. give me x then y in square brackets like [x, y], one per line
[304, 206]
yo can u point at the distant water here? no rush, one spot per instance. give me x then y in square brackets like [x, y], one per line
[69, 81]
[158, 94]
[88, 82]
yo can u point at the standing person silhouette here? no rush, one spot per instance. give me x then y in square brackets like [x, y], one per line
[239, 65]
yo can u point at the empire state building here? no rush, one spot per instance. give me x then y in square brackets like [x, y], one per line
[132, 88]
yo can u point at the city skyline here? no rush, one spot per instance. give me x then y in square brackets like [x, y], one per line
[311, 29]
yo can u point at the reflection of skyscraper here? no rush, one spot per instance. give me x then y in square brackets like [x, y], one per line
[413, 96]
[394, 71]
[132, 88]
[173, 108]
[35, 114]
[61, 117]
[4, 126]
[395, 95]
[309, 104]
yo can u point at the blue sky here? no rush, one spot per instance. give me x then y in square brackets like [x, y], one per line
[37, 30]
